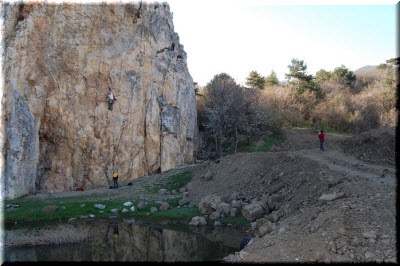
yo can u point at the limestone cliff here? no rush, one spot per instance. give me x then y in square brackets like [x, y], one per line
[60, 61]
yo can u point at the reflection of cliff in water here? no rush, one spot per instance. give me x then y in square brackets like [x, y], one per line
[136, 243]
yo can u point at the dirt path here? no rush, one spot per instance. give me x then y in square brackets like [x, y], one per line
[348, 165]
[359, 227]
[304, 142]
[128, 190]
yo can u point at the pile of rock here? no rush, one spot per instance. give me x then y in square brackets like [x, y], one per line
[233, 206]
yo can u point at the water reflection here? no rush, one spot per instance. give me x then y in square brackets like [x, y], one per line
[127, 241]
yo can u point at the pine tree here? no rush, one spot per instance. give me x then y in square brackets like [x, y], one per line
[271, 80]
[255, 80]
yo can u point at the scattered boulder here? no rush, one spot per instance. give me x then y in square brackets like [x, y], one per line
[331, 196]
[333, 182]
[208, 204]
[162, 191]
[208, 176]
[252, 211]
[198, 221]
[164, 206]
[369, 235]
[99, 206]
[264, 203]
[234, 212]
[231, 197]
[128, 204]
[183, 189]
[282, 231]
[274, 202]
[273, 217]
[224, 208]
[183, 201]
[142, 205]
[236, 204]
[267, 228]
[215, 215]
[217, 224]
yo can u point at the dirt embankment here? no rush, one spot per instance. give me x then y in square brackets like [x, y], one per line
[358, 226]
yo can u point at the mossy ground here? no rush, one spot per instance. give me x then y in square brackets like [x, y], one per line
[50, 210]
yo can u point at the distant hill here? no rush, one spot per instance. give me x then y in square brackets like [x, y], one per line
[365, 69]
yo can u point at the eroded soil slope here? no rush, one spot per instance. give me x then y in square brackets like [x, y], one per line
[358, 226]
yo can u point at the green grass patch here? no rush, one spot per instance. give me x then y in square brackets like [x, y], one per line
[326, 131]
[181, 213]
[31, 212]
[303, 128]
[34, 210]
[236, 221]
[337, 133]
[174, 182]
[263, 144]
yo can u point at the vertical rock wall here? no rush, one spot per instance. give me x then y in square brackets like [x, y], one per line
[23, 149]
[62, 60]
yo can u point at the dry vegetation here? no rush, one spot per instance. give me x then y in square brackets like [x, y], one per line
[52, 235]
[339, 100]
[369, 103]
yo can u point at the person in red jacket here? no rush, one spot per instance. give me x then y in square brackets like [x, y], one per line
[321, 137]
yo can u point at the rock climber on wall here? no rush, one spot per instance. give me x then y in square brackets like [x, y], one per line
[111, 99]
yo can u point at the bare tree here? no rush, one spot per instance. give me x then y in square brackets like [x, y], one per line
[218, 104]
[233, 113]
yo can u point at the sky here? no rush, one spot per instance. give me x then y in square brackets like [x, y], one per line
[240, 36]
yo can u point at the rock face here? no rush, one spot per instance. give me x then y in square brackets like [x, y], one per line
[60, 62]
[23, 149]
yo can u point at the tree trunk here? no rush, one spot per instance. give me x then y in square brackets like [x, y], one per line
[236, 139]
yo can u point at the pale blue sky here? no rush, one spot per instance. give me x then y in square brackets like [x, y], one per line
[238, 36]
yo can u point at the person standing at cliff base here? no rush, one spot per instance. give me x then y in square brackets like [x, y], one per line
[115, 180]
[321, 137]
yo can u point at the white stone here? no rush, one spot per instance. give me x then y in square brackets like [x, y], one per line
[100, 206]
